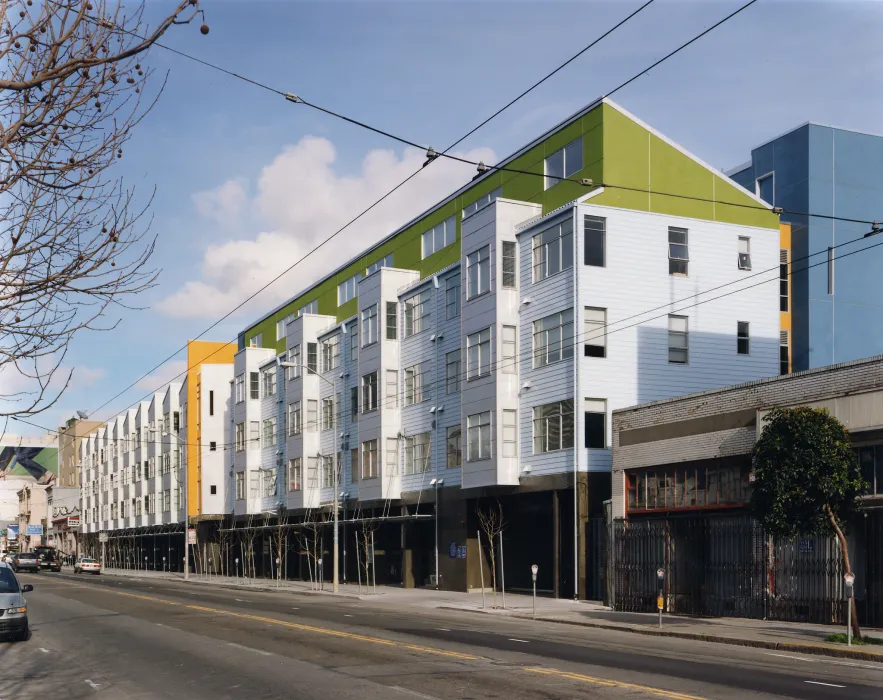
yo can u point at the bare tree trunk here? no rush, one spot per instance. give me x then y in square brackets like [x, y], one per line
[844, 550]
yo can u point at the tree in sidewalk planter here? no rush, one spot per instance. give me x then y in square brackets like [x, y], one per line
[74, 242]
[806, 478]
[492, 523]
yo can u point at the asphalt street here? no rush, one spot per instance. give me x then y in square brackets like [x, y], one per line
[109, 638]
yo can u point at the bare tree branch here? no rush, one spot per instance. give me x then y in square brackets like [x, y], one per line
[74, 241]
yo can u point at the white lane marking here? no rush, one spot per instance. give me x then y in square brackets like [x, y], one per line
[295, 608]
[241, 600]
[827, 661]
[443, 629]
[345, 615]
[523, 641]
[95, 686]
[413, 692]
[256, 651]
[830, 685]
[45, 651]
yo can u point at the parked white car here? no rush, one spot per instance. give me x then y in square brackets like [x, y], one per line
[87, 565]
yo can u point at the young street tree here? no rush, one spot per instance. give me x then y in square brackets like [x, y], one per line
[807, 478]
[492, 524]
[74, 242]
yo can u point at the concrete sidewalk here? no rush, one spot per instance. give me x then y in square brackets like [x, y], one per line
[767, 634]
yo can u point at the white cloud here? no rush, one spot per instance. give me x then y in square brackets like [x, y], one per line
[224, 204]
[85, 377]
[300, 200]
[171, 371]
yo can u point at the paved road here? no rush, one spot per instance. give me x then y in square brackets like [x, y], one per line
[109, 638]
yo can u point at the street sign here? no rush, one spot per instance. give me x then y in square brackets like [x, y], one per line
[191, 536]
[659, 602]
[34, 530]
[102, 537]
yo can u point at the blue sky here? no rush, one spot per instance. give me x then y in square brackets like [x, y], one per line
[245, 181]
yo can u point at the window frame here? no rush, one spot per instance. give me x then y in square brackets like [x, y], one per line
[392, 320]
[422, 443]
[368, 466]
[369, 400]
[454, 436]
[590, 258]
[295, 474]
[478, 260]
[417, 313]
[544, 248]
[590, 326]
[545, 349]
[482, 429]
[452, 297]
[594, 404]
[743, 260]
[448, 231]
[678, 252]
[509, 254]
[509, 430]
[574, 150]
[675, 333]
[453, 379]
[743, 338]
[508, 350]
[295, 418]
[369, 325]
[564, 410]
[478, 369]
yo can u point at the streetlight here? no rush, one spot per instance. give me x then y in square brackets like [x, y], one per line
[335, 585]
[436, 483]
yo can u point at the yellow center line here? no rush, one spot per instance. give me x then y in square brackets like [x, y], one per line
[610, 683]
[671, 695]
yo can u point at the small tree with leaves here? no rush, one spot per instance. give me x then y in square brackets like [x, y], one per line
[807, 478]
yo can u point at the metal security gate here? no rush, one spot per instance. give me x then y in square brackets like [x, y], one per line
[727, 566]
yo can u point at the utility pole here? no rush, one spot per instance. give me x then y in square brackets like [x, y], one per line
[335, 585]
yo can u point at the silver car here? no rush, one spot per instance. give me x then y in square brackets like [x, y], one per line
[13, 606]
[25, 561]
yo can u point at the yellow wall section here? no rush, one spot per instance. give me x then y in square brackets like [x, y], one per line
[785, 316]
[199, 352]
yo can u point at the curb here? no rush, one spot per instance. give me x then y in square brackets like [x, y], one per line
[796, 647]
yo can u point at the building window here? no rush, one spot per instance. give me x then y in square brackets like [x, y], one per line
[327, 471]
[392, 388]
[478, 434]
[415, 380]
[510, 433]
[783, 280]
[369, 459]
[392, 456]
[553, 338]
[254, 385]
[870, 461]
[678, 340]
[686, 487]
[765, 188]
[254, 434]
[454, 446]
[294, 474]
[553, 427]
[240, 388]
[743, 338]
[354, 402]
[392, 320]
[294, 418]
[482, 202]
[452, 372]
[563, 163]
[269, 377]
[595, 234]
[331, 353]
[281, 325]
[744, 253]
[510, 263]
[312, 358]
[678, 251]
[383, 262]
[312, 415]
[256, 341]
[294, 359]
[269, 431]
[417, 313]
[369, 392]
[439, 236]
[211, 408]
[595, 416]
[354, 465]
[327, 414]
[478, 353]
[452, 297]
[417, 459]
[213, 446]
[348, 289]
[478, 272]
[595, 338]
[784, 354]
[311, 308]
[369, 325]
[354, 341]
[508, 343]
[553, 250]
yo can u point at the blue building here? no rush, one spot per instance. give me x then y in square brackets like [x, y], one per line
[837, 298]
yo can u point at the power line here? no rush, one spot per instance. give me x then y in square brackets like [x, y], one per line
[360, 214]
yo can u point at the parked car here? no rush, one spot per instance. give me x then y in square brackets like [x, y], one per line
[7, 558]
[14, 620]
[87, 565]
[25, 561]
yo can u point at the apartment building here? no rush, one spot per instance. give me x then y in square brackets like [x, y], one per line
[474, 356]
[133, 467]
